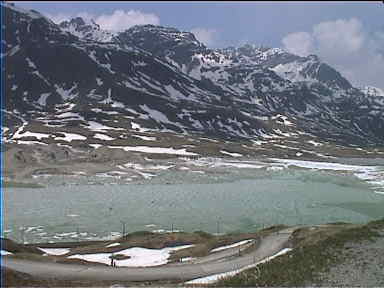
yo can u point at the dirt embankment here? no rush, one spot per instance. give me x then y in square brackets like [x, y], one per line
[21, 162]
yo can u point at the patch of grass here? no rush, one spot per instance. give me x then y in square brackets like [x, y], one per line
[12, 184]
[138, 234]
[12, 246]
[315, 252]
[203, 234]
[198, 250]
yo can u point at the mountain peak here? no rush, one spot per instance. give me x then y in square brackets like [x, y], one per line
[164, 34]
[86, 30]
[77, 21]
[171, 43]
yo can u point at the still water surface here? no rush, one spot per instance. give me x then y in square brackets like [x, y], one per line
[238, 200]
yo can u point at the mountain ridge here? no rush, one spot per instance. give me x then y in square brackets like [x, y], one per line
[164, 79]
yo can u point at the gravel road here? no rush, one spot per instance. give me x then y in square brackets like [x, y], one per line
[269, 246]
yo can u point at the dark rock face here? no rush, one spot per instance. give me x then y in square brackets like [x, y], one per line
[165, 79]
[162, 42]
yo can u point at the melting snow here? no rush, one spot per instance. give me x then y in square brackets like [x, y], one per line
[323, 165]
[314, 143]
[103, 137]
[14, 50]
[116, 104]
[138, 127]
[246, 165]
[30, 63]
[55, 251]
[213, 278]
[157, 150]
[146, 138]
[43, 99]
[156, 115]
[66, 94]
[232, 245]
[139, 257]
[95, 126]
[71, 136]
[113, 245]
[30, 134]
[175, 94]
[75, 116]
[231, 154]
[99, 81]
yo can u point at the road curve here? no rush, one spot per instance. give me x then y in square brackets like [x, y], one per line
[269, 246]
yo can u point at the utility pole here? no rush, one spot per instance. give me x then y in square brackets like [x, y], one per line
[123, 223]
[298, 215]
[218, 227]
[22, 231]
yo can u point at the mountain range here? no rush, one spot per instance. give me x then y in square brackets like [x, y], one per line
[74, 78]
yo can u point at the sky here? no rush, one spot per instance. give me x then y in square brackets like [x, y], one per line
[347, 35]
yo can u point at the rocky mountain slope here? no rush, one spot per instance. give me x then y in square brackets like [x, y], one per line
[74, 83]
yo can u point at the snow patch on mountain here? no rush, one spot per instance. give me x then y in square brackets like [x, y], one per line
[71, 136]
[103, 137]
[372, 91]
[43, 99]
[86, 30]
[293, 71]
[156, 115]
[66, 94]
[39, 136]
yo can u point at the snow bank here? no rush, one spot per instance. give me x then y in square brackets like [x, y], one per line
[157, 150]
[239, 165]
[71, 136]
[113, 245]
[145, 167]
[323, 165]
[139, 257]
[230, 154]
[39, 136]
[314, 143]
[103, 137]
[232, 245]
[373, 175]
[55, 251]
[95, 126]
[146, 138]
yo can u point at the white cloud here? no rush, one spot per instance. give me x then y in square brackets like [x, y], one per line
[345, 35]
[299, 43]
[119, 20]
[345, 45]
[206, 36]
